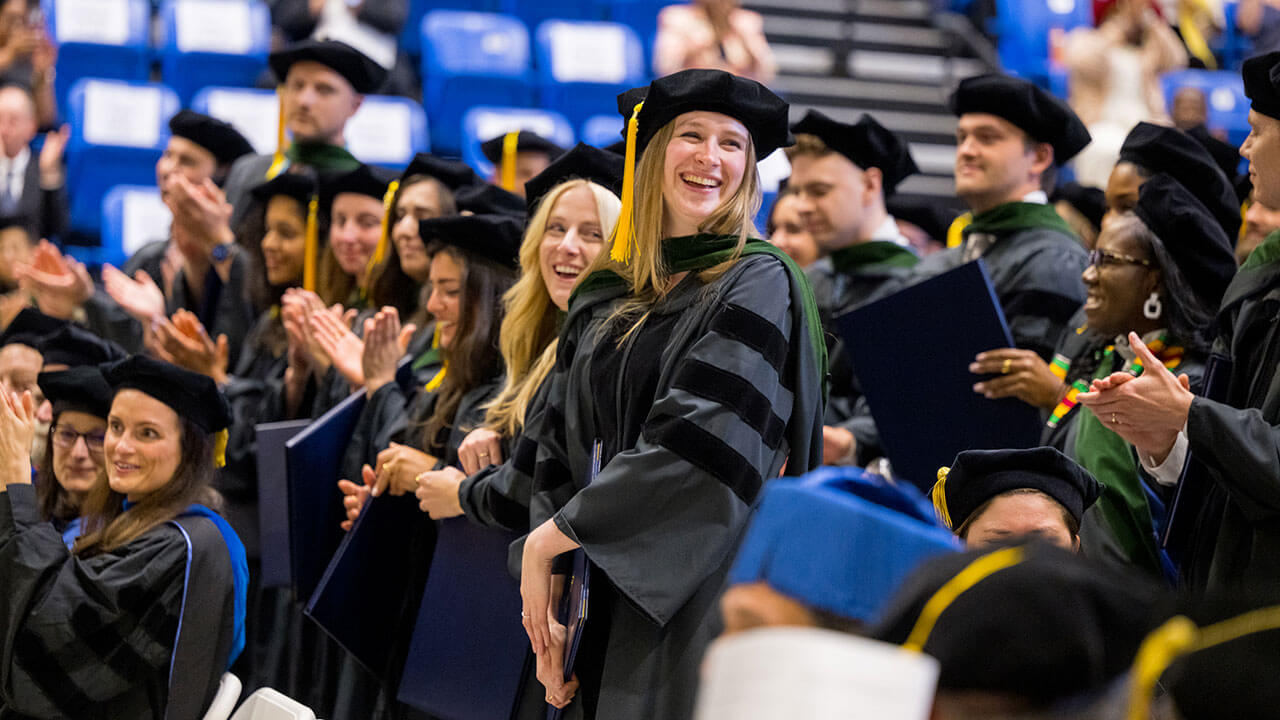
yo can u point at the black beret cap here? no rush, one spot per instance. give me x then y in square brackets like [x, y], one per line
[1040, 115]
[493, 237]
[74, 346]
[486, 199]
[866, 143]
[747, 101]
[1050, 626]
[932, 215]
[28, 327]
[584, 162]
[298, 186]
[1261, 76]
[220, 138]
[1088, 201]
[1197, 244]
[365, 75]
[526, 141]
[1168, 150]
[192, 395]
[1226, 155]
[976, 476]
[364, 180]
[453, 174]
[81, 389]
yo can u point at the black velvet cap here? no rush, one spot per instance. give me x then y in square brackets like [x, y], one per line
[1237, 678]
[1041, 115]
[365, 75]
[1226, 155]
[29, 327]
[298, 186]
[1088, 201]
[82, 389]
[932, 215]
[1167, 150]
[583, 161]
[526, 141]
[75, 346]
[220, 138]
[453, 174]
[866, 143]
[976, 476]
[1195, 241]
[1050, 626]
[486, 199]
[364, 180]
[1261, 76]
[747, 101]
[192, 395]
[495, 238]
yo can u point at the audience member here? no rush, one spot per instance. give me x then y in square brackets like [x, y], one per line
[517, 157]
[35, 192]
[28, 56]
[713, 34]
[785, 228]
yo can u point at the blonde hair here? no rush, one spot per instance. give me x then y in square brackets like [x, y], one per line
[528, 335]
[807, 144]
[647, 275]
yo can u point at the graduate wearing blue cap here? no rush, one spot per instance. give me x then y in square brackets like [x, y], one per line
[829, 549]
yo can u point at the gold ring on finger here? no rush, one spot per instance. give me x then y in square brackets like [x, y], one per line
[1004, 367]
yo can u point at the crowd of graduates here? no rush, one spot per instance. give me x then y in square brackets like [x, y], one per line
[593, 354]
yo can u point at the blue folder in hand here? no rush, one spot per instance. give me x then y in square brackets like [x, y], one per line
[273, 498]
[315, 502]
[355, 600]
[911, 352]
[467, 659]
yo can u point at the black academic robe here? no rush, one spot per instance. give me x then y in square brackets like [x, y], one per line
[1236, 538]
[703, 404]
[108, 636]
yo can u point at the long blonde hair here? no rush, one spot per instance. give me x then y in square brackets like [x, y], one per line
[528, 336]
[647, 275]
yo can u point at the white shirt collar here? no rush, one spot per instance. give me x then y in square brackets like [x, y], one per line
[1036, 196]
[888, 231]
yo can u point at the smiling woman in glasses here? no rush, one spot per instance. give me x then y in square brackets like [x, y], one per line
[74, 468]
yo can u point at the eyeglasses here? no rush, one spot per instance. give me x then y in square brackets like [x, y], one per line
[1102, 258]
[66, 438]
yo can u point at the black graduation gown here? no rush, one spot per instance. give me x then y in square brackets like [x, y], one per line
[1236, 539]
[104, 637]
[718, 389]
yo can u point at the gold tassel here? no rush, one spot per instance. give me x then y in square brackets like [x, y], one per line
[384, 237]
[510, 144]
[976, 572]
[939, 496]
[434, 383]
[277, 160]
[621, 251]
[955, 233]
[220, 448]
[312, 246]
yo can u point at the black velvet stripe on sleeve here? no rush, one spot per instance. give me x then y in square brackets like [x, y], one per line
[1040, 303]
[738, 323]
[525, 456]
[730, 390]
[552, 475]
[706, 451]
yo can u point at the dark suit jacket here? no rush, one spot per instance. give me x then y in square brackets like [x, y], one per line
[44, 211]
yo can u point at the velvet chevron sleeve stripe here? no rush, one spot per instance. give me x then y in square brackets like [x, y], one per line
[707, 452]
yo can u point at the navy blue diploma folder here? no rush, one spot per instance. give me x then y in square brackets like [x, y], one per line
[366, 577]
[273, 498]
[911, 352]
[468, 654]
[315, 502]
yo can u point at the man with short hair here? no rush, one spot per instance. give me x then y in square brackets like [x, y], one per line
[518, 157]
[33, 191]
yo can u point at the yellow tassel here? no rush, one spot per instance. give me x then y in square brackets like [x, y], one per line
[1244, 219]
[955, 233]
[623, 232]
[434, 383]
[939, 495]
[510, 144]
[277, 160]
[384, 237]
[976, 572]
[312, 246]
[220, 448]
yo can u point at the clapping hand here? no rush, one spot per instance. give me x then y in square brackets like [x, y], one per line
[182, 340]
[139, 296]
[17, 431]
[59, 285]
[385, 342]
[331, 332]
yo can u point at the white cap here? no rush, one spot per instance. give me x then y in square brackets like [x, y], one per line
[814, 674]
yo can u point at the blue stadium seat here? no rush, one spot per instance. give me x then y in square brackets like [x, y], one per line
[1232, 46]
[1027, 29]
[1224, 91]
[99, 38]
[118, 131]
[387, 131]
[132, 216]
[534, 12]
[255, 113]
[411, 34]
[582, 66]
[213, 42]
[472, 59]
[484, 123]
[602, 130]
[639, 15]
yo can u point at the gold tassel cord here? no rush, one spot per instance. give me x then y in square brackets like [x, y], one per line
[510, 145]
[384, 237]
[277, 159]
[939, 496]
[623, 232]
[976, 572]
[220, 448]
[312, 246]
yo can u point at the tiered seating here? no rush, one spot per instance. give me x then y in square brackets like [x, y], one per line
[481, 123]
[602, 130]
[1029, 30]
[213, 42]
[582, 66]
[99, 38]
[255, 113]
[387, 131]
[132, 216]
[1228, 106]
